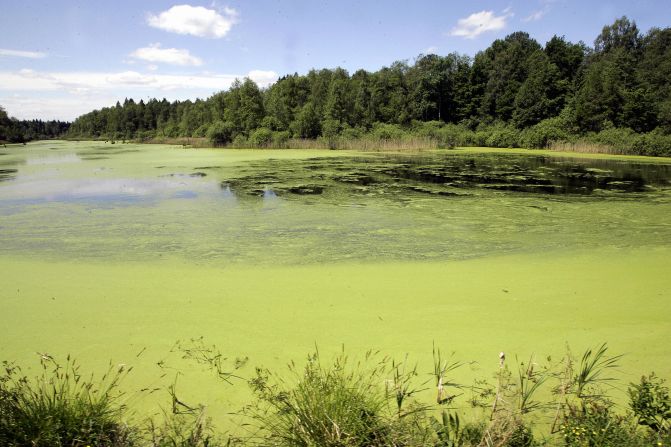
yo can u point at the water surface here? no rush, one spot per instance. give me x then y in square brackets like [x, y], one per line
[115, 252]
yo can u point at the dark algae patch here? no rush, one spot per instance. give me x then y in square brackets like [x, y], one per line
[451, 175]
[7, 174]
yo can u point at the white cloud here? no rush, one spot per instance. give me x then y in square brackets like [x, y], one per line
[540, 13]
[430, 50]
[18, 53]
[478, 23]
[28, 94]
[195, 20]
[536, 15]
[30, 80]
[175, 56]
[62, 108]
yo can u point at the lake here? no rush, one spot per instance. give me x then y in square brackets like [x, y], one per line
[115, 252]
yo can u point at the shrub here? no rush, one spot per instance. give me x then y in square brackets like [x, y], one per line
[654, 143]
[221, 132]
[501, 136]
[650, 402]
[201, 131]
[351, 133]
[383, 131]
[240, 141]
[542, 134]
[261, 137]
[596, 426]
[281, 138]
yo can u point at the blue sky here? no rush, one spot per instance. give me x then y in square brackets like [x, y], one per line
[62, 59]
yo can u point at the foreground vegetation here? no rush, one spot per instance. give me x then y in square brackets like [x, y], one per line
[375, 401]
[615, 96]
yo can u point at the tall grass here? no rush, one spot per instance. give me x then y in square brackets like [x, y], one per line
[585, 147]
[334, 404]
[373, 402]
[62, 407]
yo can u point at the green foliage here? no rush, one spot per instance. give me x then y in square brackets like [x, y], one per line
[451, 432]
[514, 93]
[62, 408]
[220, 133]
[383, 131]
[281, 138]
[337, 404]
[542, 134]
[15, 131]
[597, 426]
[650, 402]
[307, 123]
[341, 403]
[261, 137]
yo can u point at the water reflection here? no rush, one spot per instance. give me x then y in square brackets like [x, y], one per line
[35, 160]
[7, 174]
[114, 189]
[447, 175]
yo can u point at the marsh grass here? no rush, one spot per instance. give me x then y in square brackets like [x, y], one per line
[342, 402]
[338, 403]
[586, 147]
[63, 407]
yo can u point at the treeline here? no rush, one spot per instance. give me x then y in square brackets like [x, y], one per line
[21, 131]
[558, 92]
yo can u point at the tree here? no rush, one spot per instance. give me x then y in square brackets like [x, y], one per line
[539, 96]
[622, 34]
[307, 123]
[507, 71]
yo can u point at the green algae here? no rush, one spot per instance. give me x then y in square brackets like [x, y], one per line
[106, 253]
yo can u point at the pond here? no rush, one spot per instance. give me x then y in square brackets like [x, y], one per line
[108, 251]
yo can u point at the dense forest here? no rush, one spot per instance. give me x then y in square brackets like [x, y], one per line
[17, 131]
[515, 93]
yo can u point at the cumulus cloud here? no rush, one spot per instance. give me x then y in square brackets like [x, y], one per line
[174, 56]
[19, 53]
[32, 94]
[195, 20]
[480, 22]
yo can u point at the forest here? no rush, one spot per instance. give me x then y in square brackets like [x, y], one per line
[21, 131]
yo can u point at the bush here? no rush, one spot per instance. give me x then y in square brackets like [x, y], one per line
[201, 131]
[281, 138]
[220, 133]
[596, 426]
[351, 133]
[383, 131]
[654, 143]
[261, 137]
[542, 134]
[240, 141]
[650, 402]
[500, 136]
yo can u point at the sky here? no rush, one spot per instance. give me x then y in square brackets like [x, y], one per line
[60, 59]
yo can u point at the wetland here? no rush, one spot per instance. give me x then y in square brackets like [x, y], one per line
[115, 252]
